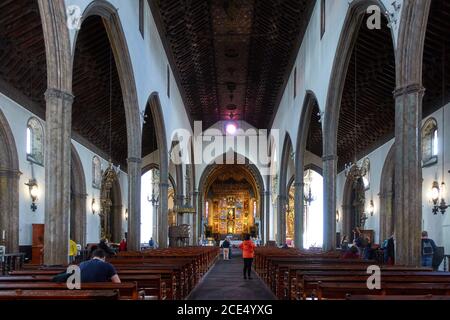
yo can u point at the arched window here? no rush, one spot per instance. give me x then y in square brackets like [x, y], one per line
[96, 172]
[35, 141]
[430, 142]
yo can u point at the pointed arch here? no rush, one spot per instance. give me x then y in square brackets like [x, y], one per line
[387, 196]
[78, 199]
[283, 188]
[9, 186]
[257, 183]
[121, 53]
[309, 104]
[154, 105]
[348, 37]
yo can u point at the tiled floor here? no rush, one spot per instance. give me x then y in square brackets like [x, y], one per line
[225, 282]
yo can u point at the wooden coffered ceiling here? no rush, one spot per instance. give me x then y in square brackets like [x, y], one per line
[374, 121]
[375, 116]
[23, 68]
[94, 68]
[436, 58]
[232, 57]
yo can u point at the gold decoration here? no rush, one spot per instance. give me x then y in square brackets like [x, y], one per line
[109, 176]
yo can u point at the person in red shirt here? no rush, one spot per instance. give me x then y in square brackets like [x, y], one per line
[248, 253]
[123, 245]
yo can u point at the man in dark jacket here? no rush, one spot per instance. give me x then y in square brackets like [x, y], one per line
[226, 249]
[428, 250]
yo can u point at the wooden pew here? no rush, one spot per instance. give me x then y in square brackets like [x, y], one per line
[168, 279]
[397, 298]
[59, 295]
[282, 271]
[126, 291]
[169, 273]
[334, 290]
[309, 283]
[151, 285]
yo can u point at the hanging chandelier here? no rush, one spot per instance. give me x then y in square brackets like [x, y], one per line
[308, 197]
[154, 198]
[438, 193]
[352, 170]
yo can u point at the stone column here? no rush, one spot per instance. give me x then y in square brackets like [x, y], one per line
[262, 219]
[267, 195]
[79, 205]
[9, 210]
[281, 236]
[163, 226]
[386, 218]
[329, 202]
[155, 218]
[181, 218]
[57, 176]
[196, 223]
[408, 174]
[299, 214]
[134, 203]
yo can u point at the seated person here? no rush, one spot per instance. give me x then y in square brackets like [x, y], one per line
[106, 248]
[353, 253]
[98, 270]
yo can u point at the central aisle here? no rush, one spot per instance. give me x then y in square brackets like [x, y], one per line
[225, 282]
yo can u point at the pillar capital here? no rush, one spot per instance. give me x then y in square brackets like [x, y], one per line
[409, 89]
[10, 173]
[59, 94]
[329, 157]
[134, 160]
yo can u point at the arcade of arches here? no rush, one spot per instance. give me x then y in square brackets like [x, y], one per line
[90, 116]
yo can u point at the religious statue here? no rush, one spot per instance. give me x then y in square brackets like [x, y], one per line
[230, 214]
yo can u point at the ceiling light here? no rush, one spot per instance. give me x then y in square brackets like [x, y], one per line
[231, 128]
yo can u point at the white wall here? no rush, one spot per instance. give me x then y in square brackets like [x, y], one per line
[149, 62]
[17, 117]
[438, 226]
[377, 159]
[216, 136]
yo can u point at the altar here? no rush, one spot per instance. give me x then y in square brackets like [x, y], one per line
[231, 206]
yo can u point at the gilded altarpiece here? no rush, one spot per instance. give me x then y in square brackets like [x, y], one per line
[232, 209]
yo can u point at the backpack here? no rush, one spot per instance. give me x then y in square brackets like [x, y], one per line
[427, 248]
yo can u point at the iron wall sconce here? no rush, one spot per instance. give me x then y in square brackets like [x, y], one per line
[126, 214]
[34, 193]
[371, 208]
[436, 194]
[94, 206]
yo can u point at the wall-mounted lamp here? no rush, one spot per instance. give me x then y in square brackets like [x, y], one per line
[337, 216]
[371, 208]
[438, 193]
[126, 214]
[34, 193]
[94, 206]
